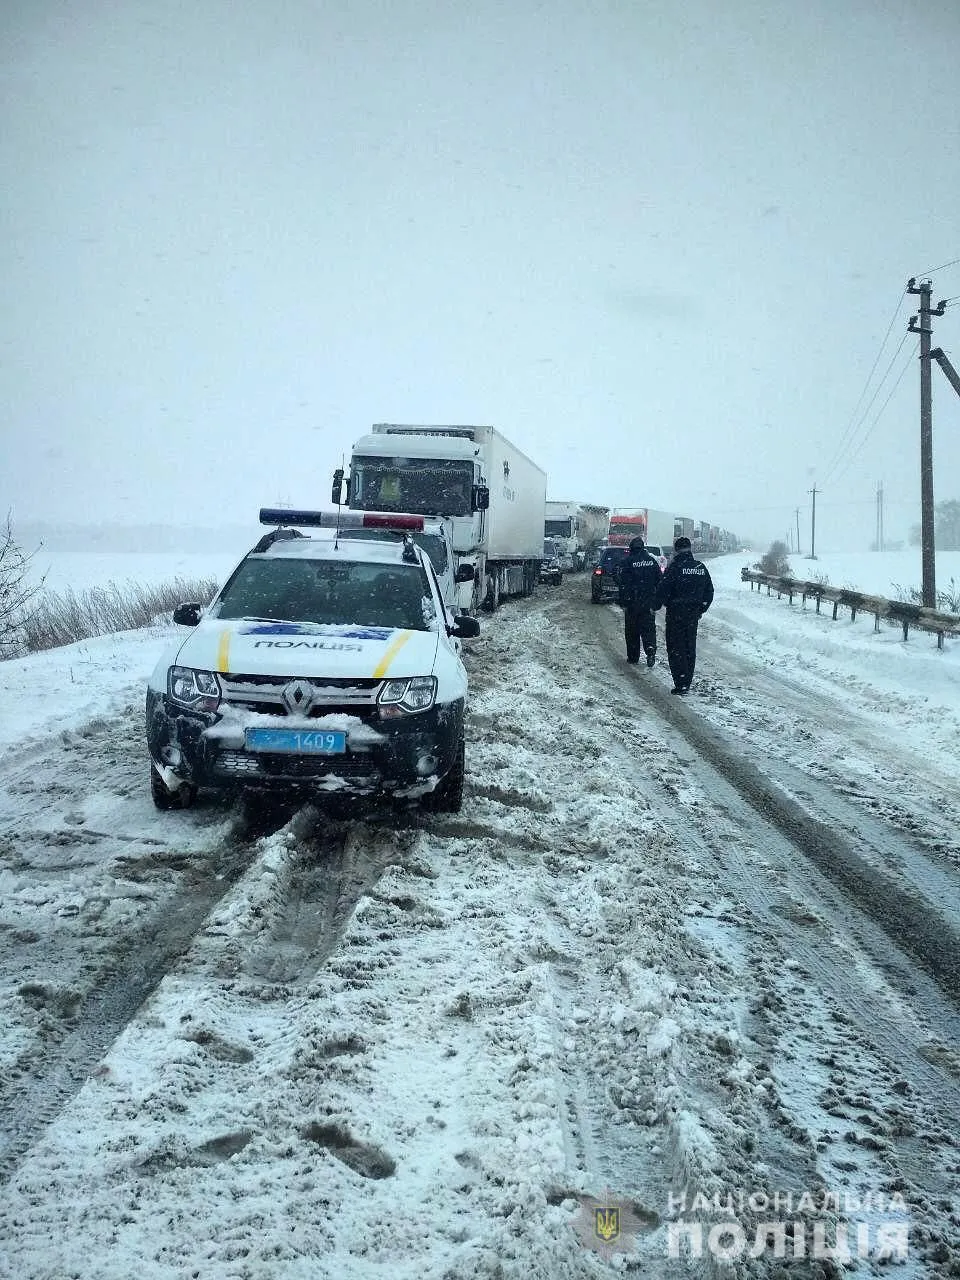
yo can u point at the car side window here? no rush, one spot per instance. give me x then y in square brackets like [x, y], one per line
[437, 602]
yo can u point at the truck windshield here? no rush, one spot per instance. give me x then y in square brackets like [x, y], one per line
[558, 528]
[429, 486]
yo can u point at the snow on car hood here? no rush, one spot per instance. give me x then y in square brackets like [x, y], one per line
[246, 647]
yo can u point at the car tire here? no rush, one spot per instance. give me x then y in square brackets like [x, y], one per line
[557, 579]
[595, 599]
[447, 796]
[165, 799]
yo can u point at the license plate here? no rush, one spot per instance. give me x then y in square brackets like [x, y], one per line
[296, 742]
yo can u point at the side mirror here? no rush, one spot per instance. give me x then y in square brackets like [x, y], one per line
[481, 497]
[341, 488]
[465, 627]
[464, 573]
[187, 615]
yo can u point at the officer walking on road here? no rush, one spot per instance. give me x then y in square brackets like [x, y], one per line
[636, 591]
[686, 590]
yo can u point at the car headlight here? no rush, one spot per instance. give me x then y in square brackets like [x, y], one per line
[418, 693]
[198, 690]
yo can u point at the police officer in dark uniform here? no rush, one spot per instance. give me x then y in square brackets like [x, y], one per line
[637, 587]
[686, 590]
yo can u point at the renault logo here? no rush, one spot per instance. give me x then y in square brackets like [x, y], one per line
[298, 697]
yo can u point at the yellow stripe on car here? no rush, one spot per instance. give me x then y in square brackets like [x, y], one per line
[223, 652]
[393, 648]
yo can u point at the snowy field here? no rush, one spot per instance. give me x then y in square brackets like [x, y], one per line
[875, 573]
[81, 570]
[424, 1051]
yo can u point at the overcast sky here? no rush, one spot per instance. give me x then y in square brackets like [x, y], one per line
[658, 245]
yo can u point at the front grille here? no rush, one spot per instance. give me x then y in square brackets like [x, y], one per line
[344, 696]
[280, 766]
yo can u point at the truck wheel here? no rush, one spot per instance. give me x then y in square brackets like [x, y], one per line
[492, 602]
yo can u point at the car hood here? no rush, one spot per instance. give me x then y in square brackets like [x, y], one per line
[246, 647]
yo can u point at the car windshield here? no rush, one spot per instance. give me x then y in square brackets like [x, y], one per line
[328, 591]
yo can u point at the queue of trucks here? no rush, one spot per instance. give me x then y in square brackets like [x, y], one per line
[662, 528]
[487, 503]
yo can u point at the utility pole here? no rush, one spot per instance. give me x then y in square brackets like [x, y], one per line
[922, 326]
[813, 526]
[799, 548]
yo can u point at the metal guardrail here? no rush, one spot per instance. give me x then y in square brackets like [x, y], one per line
[897, 611]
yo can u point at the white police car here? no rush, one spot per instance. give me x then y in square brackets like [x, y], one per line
[323, 666]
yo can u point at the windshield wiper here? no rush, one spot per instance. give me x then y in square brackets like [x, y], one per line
[250, 617]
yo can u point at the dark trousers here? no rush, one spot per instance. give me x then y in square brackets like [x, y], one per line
[639, 630]
[681, 637]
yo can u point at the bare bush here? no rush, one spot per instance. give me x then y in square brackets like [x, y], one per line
[774, 561]
[64, 617]
[18, 595]
[948, 599]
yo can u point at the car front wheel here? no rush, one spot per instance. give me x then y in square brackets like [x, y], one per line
[447, 796]
[164, 798]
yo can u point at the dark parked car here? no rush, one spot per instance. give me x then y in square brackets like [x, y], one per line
[603, 580]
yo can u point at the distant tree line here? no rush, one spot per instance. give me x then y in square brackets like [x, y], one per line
[946, 527]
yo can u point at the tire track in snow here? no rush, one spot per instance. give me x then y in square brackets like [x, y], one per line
[746, 827]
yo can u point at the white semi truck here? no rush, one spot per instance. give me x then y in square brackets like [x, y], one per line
[579, 527]
[492, 494]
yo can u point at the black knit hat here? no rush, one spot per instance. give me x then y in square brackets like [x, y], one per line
[637, 543]
[682, 544]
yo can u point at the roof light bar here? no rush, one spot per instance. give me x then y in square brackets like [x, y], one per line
[345, 519]
[390, 520]
[291, 516]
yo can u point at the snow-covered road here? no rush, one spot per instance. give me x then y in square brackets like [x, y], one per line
[658, 963]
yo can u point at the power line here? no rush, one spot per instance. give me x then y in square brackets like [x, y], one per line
[848, 443]
[942, 267]
[873, 424]
[853, 424]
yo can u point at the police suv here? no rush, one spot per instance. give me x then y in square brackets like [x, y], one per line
[325, 665]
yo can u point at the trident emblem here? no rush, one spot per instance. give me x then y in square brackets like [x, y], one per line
[606, 1223]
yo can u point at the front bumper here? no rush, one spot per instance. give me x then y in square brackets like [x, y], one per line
[405, 757]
